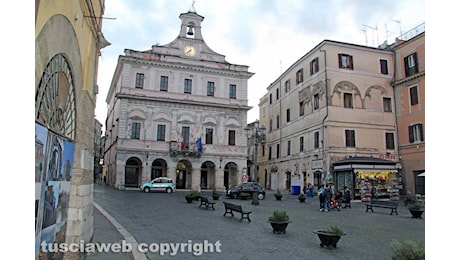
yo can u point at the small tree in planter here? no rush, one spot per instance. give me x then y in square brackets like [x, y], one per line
[279, 221]
[191, 196]
[330, 236]
[278, 195]
[406, 249]
[416, 209]
[302, 197]
[215, 195]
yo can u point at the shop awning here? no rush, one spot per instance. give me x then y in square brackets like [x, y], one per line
[421, 174]
[364, 163]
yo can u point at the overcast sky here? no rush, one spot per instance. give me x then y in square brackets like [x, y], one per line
[266, 35]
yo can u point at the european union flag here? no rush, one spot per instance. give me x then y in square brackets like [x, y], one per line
[199, 147]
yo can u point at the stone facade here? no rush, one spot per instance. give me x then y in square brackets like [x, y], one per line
[177, 110]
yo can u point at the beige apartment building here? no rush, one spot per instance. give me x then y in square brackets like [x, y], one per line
[409, 88]
[330, 118]
[177, 110]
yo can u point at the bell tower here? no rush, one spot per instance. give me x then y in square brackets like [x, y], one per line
[191, 25]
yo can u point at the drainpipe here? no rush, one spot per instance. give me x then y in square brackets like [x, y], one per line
[327, 105]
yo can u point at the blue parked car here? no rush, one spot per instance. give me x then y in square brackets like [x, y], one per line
[158, 184]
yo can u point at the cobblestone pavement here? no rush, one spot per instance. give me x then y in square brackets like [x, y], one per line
[154, 218]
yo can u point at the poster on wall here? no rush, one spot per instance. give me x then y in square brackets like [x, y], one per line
[54, 161]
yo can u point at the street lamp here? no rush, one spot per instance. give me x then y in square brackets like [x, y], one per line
[257, 134]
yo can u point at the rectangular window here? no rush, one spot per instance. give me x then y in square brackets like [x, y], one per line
[188, 86]
[289, 148]
[411, 64]
[301, 144]
[161, 132]
[345, 61]
[164, 83]
[416, 133]
[413, 95]
[185, 137]
[384, 67]
[347, 100]
[210, 89]
[271, 125]
[350, 138]
[277, 94]
[139, 80]
[271, 99]
[287, 85]
[390, 141]
[314, 66]
[231, 137]
[277, 122]
[288, 115]
[299, 76]
[387, 104]
[209, 134]
[135, 130]
[301, 108]
[278, 152]
[316, 102]
[316, 141]
[232, 91]
[269, 153]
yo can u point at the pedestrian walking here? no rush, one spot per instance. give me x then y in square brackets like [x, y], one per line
[327, 198]
[321, 197]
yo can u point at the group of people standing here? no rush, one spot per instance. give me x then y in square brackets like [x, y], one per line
[329, 197]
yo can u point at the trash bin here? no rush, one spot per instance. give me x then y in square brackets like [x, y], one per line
[295, 190]
[309, 192]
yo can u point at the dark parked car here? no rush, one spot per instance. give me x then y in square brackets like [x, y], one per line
[247, 187]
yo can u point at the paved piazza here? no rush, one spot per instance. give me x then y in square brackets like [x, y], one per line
[156, 218]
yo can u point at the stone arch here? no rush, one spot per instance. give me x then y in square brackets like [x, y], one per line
[133, 168]
[184, 174]
[230, 175]
[136, 114]
[208, 175]
[158, 169]
[348, 87]
[373, 97]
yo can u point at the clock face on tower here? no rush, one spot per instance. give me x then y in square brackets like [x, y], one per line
[189, 50]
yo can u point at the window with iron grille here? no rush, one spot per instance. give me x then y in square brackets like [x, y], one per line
[139, 80]
[164, 83]
[188, 86]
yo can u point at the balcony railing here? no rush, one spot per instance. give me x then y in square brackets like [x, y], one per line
[183, 149]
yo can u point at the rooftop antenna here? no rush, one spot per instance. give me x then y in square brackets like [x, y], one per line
[373, 30]
[400, 29]
[365, 34]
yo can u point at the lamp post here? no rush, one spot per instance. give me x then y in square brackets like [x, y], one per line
[257, 134]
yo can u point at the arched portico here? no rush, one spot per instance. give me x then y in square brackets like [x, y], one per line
[133, 170]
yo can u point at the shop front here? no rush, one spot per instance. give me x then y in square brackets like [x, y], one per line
[367, 178]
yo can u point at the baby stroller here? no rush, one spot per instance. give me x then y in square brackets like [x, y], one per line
[335, 204]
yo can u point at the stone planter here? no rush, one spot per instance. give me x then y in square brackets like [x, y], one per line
[416, 213]
[328, 239]
[279, 227]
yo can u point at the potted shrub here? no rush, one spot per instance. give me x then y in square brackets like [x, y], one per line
[278, 195]
[215, 195]
[191, 196]
[416, 209]
[279, 221]
[302, 197]
[330, 236]
[407, 249]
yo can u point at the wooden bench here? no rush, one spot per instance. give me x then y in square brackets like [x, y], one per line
[389, 204]
[229, 208]
[205, 202]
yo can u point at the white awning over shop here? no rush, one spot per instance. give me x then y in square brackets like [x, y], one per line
[421, 174]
